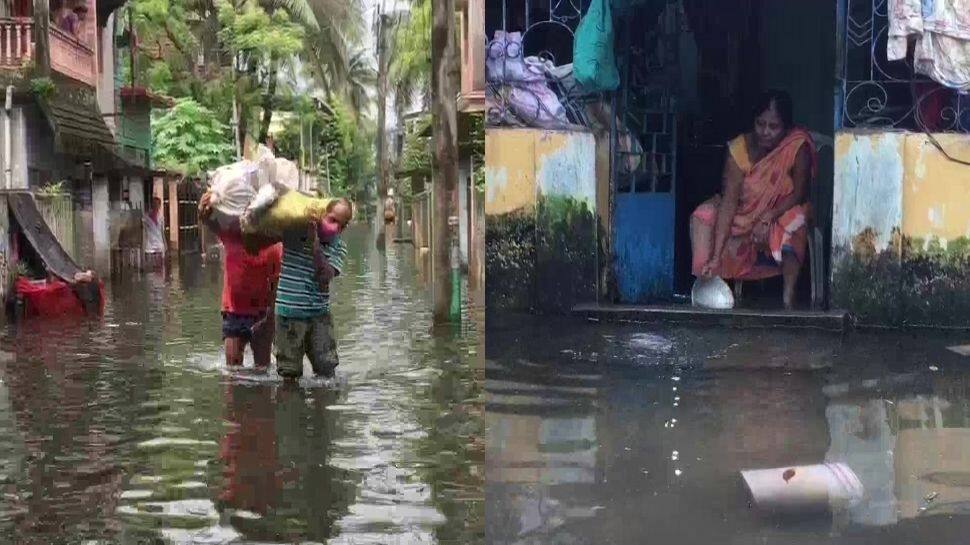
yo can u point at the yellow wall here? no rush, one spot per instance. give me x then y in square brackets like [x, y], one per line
[510, 170]
[936, 192]
[521, 163]
[894, 180]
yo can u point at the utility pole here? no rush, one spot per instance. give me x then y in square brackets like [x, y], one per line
[383, 22]
[444, 89]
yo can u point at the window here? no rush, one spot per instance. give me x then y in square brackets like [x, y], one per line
[880, 93]
[539, 29]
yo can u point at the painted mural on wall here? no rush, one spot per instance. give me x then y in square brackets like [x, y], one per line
[540, 219]
[901, 252]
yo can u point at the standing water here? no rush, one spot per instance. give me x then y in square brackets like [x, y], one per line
[632, 434]
[128, 429]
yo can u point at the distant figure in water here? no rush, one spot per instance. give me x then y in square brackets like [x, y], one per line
[390, 212]
[757, 227]
[154, 223]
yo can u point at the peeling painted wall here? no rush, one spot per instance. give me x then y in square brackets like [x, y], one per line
[937, 190]
[868, 189]
[901, 229]
[540, 217]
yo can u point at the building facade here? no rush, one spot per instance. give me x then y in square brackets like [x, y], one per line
[890, 224]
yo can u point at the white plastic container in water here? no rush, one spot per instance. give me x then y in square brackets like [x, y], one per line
[798, 489]
[712, 293]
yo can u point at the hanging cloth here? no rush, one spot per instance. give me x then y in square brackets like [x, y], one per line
[942, 30]
[594, 63]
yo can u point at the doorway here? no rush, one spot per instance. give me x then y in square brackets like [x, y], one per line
[688, 87]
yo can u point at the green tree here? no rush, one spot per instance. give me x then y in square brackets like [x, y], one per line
[411, 56]
[190, 139]
[340, 145]
[260, 36]
[228, 55]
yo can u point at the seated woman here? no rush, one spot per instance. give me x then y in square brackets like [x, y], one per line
[757, 228]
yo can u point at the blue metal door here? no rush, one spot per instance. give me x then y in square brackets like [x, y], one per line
[644, 166]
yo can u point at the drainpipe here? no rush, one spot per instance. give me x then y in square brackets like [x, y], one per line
[7, 145]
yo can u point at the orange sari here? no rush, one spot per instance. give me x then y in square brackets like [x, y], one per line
[766, 183]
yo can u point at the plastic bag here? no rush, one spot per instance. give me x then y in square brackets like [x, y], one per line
[594, 62]
[538, 106]
[286, 173]
[233, 187]
[505, 63]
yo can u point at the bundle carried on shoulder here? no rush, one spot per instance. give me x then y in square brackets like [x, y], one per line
[278, 209]
[235, 186]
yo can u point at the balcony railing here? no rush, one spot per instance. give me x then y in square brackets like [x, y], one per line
[16, 41]
[69, 55]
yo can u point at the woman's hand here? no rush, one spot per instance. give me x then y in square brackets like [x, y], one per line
[759, 234]
[712, 267]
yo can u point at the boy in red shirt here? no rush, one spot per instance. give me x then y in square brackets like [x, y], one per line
[248, 293]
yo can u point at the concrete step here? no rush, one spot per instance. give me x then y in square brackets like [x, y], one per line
[836, 320]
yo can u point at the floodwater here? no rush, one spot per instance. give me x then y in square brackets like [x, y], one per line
[632, 434]
[128, 430]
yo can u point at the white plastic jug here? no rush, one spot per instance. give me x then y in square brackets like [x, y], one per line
[803, 488]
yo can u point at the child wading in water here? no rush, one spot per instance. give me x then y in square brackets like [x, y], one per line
[303, 325]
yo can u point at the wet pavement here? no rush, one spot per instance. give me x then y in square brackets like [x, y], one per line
[128, 430]
[626, 434]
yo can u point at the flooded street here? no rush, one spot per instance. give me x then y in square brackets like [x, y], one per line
[128, 430]
[630, 434]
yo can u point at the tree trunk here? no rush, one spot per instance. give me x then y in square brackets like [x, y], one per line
[269, 99]
[250, 75]
[382, 155]
[42, 51]
[444, 88]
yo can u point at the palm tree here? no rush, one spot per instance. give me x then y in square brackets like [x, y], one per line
[332, 27]
[411, 56]
[361, 79]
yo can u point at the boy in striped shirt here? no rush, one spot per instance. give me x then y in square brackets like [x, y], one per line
[303, 322]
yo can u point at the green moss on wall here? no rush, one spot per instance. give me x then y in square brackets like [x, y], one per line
[915, 282]
[542, 261]
[510, 258]
[868, 288]
[566, 257]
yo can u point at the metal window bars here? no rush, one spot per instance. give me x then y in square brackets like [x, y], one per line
[528, 64]
[645, 122]
[878, 93]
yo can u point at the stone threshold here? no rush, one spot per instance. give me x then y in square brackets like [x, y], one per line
[837, 321]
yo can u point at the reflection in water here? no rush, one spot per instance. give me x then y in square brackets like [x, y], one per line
[912, 451]
[542, 441]
[248, 451]
[127, 429]
[610, 434]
